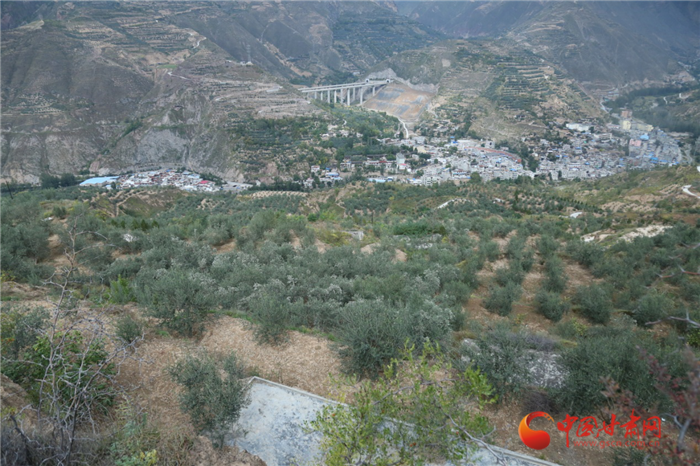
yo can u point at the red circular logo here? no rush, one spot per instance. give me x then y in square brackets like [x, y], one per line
[536, 439]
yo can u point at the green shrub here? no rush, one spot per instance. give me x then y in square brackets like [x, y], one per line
[551, 305]
[24, 246]
[19, 330]
[429, 412]
[490, 250]
[134, 441]
[612, 352]
[652, 307]
[79, 363]
[214, 392]
[129, 329]
[272, 313]
[585, 253]
[555, 280]
[372, 332]
[120, 292]
[527, 260]
[595, 304]
[694, 337]
[500, 299]
[513, 273]
[571, 329]
[179, 298]
[420, 228]
[59, 212]
[505, 358]
[371, 335]
[547, 246]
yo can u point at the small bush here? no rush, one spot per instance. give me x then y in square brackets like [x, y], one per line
[120, 292]
[571, 329]
[374, 332]
[490, 250]
[595, 303]
[19, 330]
[547, 246]
[613, 352]
[371, 336]
[514, 274]
[551, 305]
[555, 280]
[272, 314]
[59, 212]
[585, 253]
[81, 365]
[214, 392]
[505, 358]
[134, 441]
[652, 307]
[179, 298]
[538, 400]
[501, 298]
[129, 329]
[629, 456]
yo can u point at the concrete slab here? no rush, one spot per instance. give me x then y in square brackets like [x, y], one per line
[272, 427]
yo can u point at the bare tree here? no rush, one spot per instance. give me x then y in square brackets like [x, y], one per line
[72, 369]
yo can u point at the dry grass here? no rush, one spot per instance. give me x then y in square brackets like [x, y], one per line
[303, 361]
[227, 246]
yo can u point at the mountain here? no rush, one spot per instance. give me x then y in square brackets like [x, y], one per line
[108, 87]
[114, 86]
[596, 42]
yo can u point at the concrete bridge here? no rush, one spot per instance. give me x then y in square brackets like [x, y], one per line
[347, 93]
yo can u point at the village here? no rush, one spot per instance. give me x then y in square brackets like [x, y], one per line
[181, 179]
[573, 151]
[580, 150]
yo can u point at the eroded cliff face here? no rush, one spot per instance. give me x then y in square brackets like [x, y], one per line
[76, 98]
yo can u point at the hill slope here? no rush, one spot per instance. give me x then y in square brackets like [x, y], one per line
[612, 42]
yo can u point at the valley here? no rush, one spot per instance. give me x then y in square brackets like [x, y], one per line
[387, 232]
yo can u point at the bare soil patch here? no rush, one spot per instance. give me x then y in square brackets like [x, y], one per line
[303, 361]
[228, 246]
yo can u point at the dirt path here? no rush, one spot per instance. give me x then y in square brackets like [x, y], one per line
[686, 189]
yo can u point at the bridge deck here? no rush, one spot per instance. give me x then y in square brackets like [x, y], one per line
[336, 87]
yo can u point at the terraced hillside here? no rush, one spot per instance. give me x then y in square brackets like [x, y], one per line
[501, 89]
[596, 42]
[107, 87]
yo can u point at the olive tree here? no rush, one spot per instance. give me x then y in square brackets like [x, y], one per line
[421, 410]
[214, 392]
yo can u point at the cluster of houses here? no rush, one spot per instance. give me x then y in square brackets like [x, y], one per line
[581, 150]
[653, 148]
[185, 180]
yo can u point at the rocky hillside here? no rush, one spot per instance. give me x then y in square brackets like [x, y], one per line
[97, 87]
[109, 87]
[611, 42]
[497, 86]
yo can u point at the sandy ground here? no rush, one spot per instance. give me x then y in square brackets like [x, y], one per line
[648, 231]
